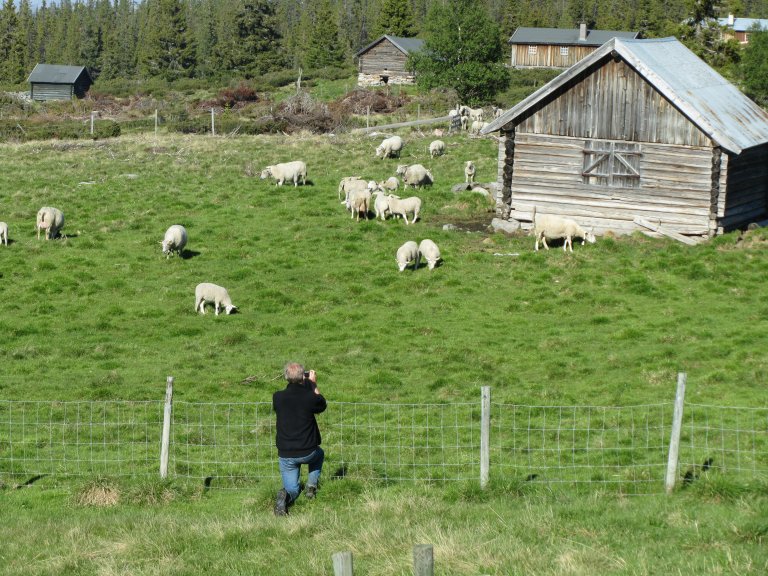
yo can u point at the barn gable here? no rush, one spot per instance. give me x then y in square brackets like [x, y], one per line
[639, 130]
[384, 61]
[58, 82]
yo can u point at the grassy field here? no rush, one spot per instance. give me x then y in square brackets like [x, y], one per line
[102, 315]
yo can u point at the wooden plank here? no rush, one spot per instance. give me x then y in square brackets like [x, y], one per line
[422, 122]
[661, 230]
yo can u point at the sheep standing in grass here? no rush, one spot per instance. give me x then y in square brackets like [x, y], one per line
[349, 183]
[415, 175]
[408, 252]
[207, 293]
[358, 202]
[469, 172]
[552, 227]
[174, 241]
[381, 203]
[3, 233]
[436, 148]
[390, 147]
[402, 206]
[430, 252]
[288, 171]
[51, 220]
[477, 127]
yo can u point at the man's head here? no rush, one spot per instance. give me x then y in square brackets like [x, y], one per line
[294, 372]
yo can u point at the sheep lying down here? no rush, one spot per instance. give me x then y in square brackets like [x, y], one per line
[207, 293]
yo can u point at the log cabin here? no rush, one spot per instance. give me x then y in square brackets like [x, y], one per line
[740, 28]
[58, 82]
[384, 61]
[638, 131]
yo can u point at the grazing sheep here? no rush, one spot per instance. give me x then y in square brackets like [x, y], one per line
[174, 241]
[390, 147]
[290, 171]
[429, 250]
[436, 148]
[402, 206]
[408, 252]
[469, 171]
[51, 220]
[415, 175]
[4, 233]
[358, 202]
[390, 184]
[349, 183]
[477, 126]
[206, 293]
[551, 226]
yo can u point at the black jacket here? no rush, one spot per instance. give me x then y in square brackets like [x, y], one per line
[297, 431]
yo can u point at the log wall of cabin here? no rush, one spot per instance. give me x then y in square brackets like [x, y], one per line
[383, 56]
[675, 186]
[747, 185]
[548, 56]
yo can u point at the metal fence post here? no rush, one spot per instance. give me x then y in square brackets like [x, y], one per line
[485, 434]
[674, 440]
[164, 445]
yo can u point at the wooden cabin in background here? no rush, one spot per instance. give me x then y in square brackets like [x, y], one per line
[384, 61]
[639, 131]
[58, 82]
[558, 47]
[739, 28]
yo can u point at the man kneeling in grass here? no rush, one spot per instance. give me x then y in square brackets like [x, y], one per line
[298, 435]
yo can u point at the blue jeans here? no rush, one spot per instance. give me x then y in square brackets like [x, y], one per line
[290, 469]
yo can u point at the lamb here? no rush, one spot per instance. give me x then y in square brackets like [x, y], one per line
[402, 206]
[390, 184]
[390, 147]
[358, 202]
[408, 252]
[3, 233]
[51, 220]
[207, 292]
[436, 148]
[350, 183]
[472, 113]
[551, 226]
[290, 171]
[415, 175]
[429, 251]
[381, 203]
[469, 171]
[477, 126]
[174, 241]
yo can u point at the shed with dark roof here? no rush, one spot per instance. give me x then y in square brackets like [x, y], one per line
[558, 47]
[58, 82]
[639, 131]
[384, 61]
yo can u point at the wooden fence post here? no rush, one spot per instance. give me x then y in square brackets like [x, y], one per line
[213, 123]
[342, 564]
[166, 428]
[423, 560]
[485, 435]
[155, 122]
[93, 114]
[674, 440]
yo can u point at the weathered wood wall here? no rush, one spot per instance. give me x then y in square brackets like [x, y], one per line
[747, 188]
[383, 57]
[45, 91]
[548, 56]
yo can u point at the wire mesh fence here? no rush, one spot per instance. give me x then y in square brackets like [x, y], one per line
[621, 447]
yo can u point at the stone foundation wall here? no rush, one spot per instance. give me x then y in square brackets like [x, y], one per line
[368, 80]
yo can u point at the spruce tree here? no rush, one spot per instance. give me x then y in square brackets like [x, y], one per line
[167, 46]
[259, 44]
[754, 67]
[323, 45]
[396, 19]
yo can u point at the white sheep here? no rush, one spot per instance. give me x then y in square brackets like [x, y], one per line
[408, 252]
[3, 233]
[174, 241]
[288, 171]
[349, 183]
[51, 220]
[415, 175]
[497, 112]
[390, 184]
[477, 126]
[469, 171]
[471, 113]
[206, 293]
[403, 206]
[430, 252]
[551, 226]
[390, 147]
[358, 202]
[436, 148]
[381, 203]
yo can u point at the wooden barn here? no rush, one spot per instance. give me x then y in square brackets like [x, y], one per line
[557, 47]
[384, 61]
[58, 82]
[639, 135]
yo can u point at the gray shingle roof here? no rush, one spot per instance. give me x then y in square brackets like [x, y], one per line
[56, 74]
[566, 36]
[708, 100]
[405, 45]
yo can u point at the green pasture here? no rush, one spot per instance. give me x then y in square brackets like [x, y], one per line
[102, 316]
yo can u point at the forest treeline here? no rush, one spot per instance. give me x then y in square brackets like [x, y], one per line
[172, 39]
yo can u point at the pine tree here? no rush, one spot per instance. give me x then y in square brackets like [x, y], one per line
[167, 46]
[396, 19]
[323, 45]
[259, 44]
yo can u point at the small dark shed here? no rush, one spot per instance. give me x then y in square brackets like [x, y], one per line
[58, 82]
[384, 61]
[639, 131]
[558, 47]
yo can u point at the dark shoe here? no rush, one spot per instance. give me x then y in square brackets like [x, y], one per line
[281, 503]
[311, 491]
